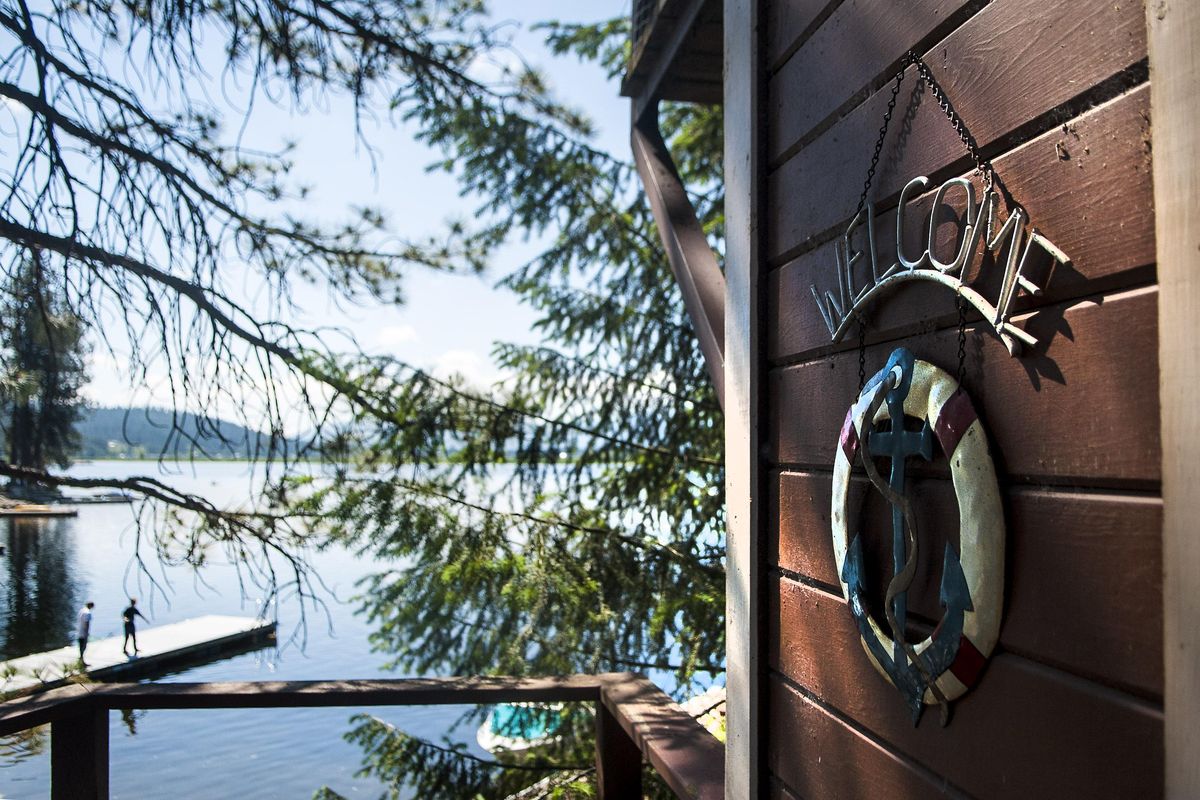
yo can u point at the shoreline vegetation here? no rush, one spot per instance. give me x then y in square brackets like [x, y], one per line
[150, 433]
[145, 433]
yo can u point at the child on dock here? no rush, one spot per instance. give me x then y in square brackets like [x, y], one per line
[83, 628]
[130, 630]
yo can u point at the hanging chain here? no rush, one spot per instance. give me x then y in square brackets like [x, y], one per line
[862, 201]
[982, 165]
[883, 129]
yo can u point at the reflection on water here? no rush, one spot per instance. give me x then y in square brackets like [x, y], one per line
[130, 717]
[40, 596]
[26, 744]
[53, 566]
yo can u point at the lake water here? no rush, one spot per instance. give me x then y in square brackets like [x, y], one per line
[51, 567]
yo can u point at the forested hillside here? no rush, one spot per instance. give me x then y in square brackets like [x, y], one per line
[148, 432]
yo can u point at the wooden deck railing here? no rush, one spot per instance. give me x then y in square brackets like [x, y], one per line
[634, 720]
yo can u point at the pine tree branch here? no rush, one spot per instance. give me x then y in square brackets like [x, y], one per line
[647, 543]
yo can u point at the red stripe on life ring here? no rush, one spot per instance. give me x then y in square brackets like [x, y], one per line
[968, 663]
[956, 416]
[849, 437]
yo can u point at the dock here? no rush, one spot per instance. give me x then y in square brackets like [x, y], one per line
[38, 510]
[160, 649]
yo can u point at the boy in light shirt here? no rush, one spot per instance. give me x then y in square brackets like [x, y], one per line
[83, 628]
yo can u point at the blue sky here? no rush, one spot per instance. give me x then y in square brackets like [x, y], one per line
[448, 323]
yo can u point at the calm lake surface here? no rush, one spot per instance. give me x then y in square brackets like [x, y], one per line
[51, 567]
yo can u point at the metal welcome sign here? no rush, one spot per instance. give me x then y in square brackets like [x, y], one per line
[981, 223]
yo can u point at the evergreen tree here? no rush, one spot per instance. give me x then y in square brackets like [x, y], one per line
[568, 519]
[43, 356]
[572, 518]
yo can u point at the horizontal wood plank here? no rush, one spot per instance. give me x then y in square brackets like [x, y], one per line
[1083, 410]
[1083, 571]
[1009, 64]
[820, 757]
[1025, 730]
[21, 713]
[787, 21]
[850, 51]
[382, 692]
[1086, 186]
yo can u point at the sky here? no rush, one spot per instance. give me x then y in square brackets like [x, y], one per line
[448, 323]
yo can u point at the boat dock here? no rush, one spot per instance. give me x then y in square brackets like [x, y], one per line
[38, 510]
[160, 649]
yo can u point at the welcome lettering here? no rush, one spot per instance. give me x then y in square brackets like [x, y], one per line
[981, 225]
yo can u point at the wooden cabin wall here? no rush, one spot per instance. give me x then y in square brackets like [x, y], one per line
[1070, 704]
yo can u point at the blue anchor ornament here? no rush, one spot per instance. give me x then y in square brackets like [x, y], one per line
[898, 445]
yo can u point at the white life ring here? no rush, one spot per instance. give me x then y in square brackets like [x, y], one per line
[936, 397]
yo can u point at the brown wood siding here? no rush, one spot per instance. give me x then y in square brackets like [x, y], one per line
[813, 751]
[1103, 622]
[1038, 409]
[1070, 704]
[998, 83]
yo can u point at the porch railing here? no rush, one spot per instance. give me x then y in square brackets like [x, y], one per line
[634, 720]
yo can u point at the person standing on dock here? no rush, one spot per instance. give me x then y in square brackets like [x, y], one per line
[83, 628]
[130, 630]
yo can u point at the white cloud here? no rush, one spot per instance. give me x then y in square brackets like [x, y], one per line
[477, 370]
[391, 337]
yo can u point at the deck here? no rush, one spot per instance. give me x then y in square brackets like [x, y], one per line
[160, 648]
[635, 722]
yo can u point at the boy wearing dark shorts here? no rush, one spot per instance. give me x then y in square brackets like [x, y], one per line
[130, 630]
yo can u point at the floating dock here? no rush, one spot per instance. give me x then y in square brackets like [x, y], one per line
[38, 510]
[160, 649]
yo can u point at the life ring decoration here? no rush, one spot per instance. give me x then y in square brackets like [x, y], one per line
[947, 663]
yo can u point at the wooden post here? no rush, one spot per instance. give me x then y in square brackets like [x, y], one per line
[79, 756]
[744, 496]
[1173, 28]
[618, 760]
